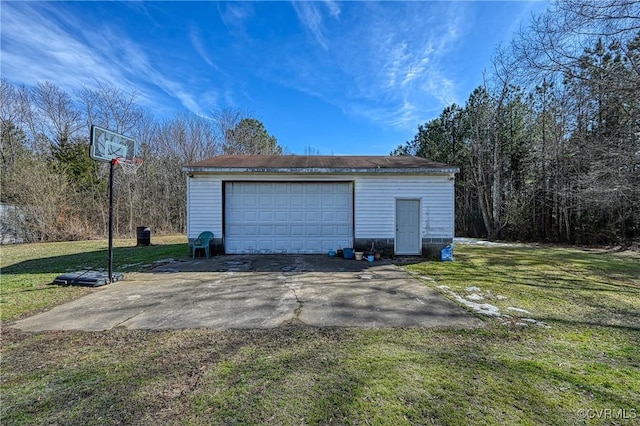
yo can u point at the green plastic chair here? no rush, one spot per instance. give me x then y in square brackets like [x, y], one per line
[202, 242]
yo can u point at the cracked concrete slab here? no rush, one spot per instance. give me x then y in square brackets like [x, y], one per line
[258, 291]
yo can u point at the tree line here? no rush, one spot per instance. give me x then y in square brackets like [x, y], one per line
[549, 145]
[62, 194]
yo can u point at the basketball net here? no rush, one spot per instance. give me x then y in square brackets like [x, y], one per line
[129, 166]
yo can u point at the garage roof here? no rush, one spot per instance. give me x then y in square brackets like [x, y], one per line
[318, 164]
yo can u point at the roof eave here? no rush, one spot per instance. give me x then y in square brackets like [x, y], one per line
[320, 170]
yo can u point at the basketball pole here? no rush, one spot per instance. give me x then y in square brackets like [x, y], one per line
[111, 165]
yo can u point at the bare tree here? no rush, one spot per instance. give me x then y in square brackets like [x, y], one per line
[112, 107]
[555, 41]
[59, 119]
[12, 115]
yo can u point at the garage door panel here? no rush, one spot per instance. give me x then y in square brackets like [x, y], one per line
[297, 216]
[266, 201]
[328, 216]
[312, 202]
[328, 202]
[343, 201]
[249, 216]
[281, 245]
[312, 216]
[343, 230]
[287, 217]
[266, 216]
[296, 188]
[234, 229]
[343, 217]
[281, 201]
[296, 201]
[250, 200]
[266, 245]
[265, 230]
[281, 216]
[296, 245]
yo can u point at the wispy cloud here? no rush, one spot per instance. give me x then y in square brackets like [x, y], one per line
[311, 15]
[234, 15]
[387, 65]
[78, 55]
[30, 38]
[334, 8]
[196, 41]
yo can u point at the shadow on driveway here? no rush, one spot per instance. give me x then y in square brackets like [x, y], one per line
[259, 291]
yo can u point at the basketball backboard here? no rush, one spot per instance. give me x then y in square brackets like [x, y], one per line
[107, 146]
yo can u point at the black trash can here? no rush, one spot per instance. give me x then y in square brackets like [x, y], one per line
[143, 236]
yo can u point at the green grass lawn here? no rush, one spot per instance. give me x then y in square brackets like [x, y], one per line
[581, 366]
[29, 269]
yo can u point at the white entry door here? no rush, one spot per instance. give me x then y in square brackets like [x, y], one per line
[408, 240]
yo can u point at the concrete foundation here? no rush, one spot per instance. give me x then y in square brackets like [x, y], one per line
[430, 246]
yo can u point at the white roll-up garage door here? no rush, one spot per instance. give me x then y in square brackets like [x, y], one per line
[288, 217]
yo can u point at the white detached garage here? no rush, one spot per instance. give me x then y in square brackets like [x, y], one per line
[313, 204]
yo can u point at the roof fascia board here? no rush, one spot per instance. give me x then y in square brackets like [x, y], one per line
[319, 170]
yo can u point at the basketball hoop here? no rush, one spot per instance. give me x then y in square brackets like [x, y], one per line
[110, 147]
[129, 166]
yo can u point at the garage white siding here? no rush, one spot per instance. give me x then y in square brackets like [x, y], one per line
[204, 205]
[287, 217]
[375, 204]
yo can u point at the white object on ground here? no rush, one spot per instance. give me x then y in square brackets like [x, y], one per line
[474, 296]
[481, 308]
[524, 311]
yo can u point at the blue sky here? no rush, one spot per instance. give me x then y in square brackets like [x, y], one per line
[341, 77]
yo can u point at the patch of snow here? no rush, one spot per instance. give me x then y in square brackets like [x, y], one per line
[481, 308]
[490, 310]
[479, 242]
[473, 289]
[474, 296]
[167, 260]
[524, 311]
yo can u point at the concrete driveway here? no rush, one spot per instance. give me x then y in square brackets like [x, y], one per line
[258, 291]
